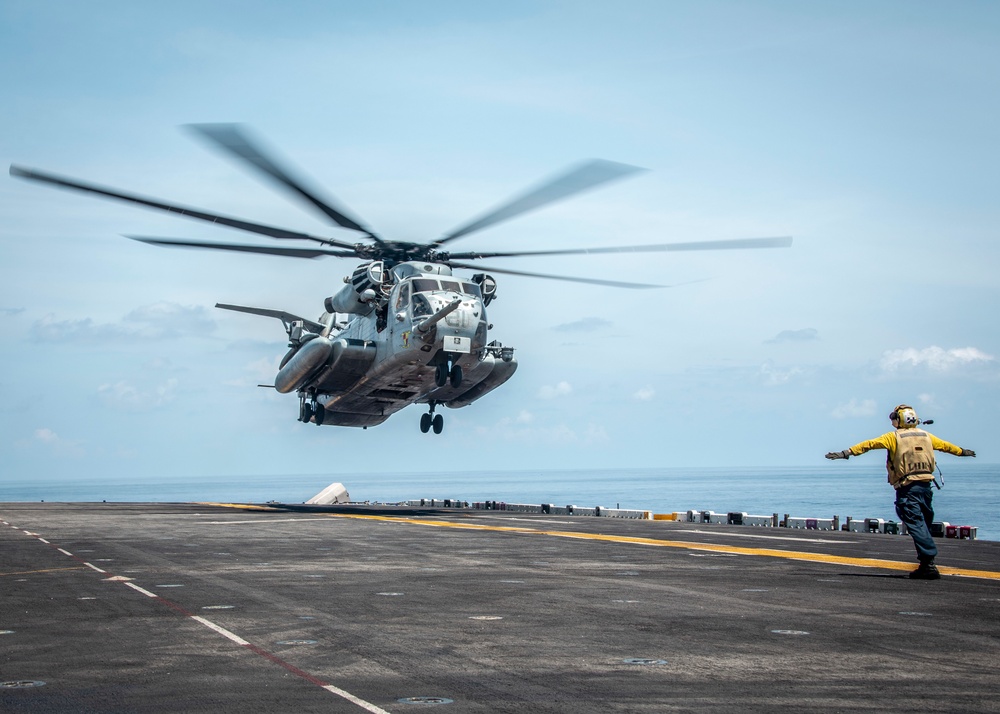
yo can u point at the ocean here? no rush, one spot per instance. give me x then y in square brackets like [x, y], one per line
[970, 496]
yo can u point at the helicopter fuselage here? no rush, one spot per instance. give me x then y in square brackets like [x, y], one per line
[421, 337]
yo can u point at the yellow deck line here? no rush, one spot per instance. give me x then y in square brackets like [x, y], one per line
[46, 570]
[736, 550]
[766, 552]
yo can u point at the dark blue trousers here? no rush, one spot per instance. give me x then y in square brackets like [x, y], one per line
[913, 506]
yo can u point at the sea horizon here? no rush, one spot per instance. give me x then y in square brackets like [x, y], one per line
[970, 494]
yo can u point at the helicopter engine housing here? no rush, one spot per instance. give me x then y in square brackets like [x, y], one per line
[487, 285]
[364, 285]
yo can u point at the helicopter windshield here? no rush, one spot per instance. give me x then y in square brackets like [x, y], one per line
[429, 285]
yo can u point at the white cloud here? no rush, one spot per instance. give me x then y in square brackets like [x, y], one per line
[807, 334]
[933, 358]
[51, 329]
[645, 394]
[46, 436]
[560, 390]
[587, 324]
[122, 395]
[158, 321]
[524, 417]
[523, 429]
[261, 371]
[855, 409]
[51, 441]
[560, 434]
[509, 423]
[774, 376]
[596, 433]
[167, 319]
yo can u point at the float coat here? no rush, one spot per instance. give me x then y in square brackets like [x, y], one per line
[913, 458]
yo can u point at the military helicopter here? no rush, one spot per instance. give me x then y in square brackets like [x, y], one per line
[405, 328]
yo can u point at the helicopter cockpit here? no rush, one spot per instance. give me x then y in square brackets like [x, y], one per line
[423, 305]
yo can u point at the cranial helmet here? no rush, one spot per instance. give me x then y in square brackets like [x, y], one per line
[904, 417]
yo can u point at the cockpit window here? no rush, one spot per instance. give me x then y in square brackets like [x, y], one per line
[425, 285]
[403, 296]
[421, 307]
[429, 285]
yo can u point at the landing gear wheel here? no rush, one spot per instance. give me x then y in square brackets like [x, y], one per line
[438, 423]
[425, 423]
[456, 375]
[320, 413]
[305, 412]
[441, 375]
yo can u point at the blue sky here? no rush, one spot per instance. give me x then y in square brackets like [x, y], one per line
[867, 131]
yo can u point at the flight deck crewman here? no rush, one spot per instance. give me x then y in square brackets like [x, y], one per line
[910, 464]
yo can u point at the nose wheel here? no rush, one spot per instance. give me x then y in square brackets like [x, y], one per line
[448, 372]
[430, 420]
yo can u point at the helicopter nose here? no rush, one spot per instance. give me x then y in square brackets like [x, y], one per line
[464, 317]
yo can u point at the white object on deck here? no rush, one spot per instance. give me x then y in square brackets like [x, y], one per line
[334, 493]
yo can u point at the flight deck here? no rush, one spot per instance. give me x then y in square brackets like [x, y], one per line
[118, 607]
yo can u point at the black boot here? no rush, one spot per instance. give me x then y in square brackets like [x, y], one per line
[926, 571]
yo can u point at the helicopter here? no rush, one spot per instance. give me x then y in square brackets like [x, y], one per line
[405, 328]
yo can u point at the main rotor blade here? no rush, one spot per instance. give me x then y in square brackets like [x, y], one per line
[581, 178]
[734, 244]
[267, 250]
[258, 228]
[233, 139]
[591, 281]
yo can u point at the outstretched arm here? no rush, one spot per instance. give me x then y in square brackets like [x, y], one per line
[942, 445]
[886, 441]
